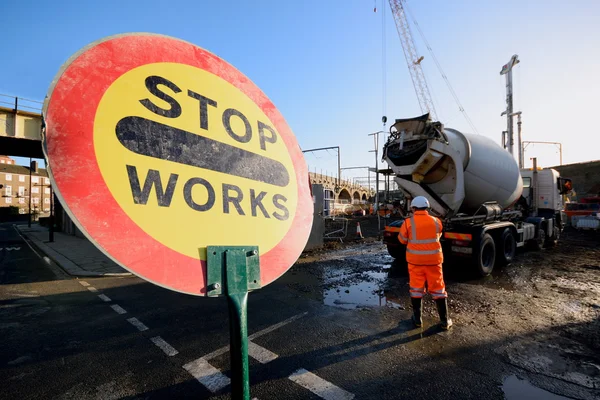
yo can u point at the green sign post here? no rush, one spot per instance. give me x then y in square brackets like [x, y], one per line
[232, 271]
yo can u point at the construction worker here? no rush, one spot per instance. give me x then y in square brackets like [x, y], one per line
[421, 234]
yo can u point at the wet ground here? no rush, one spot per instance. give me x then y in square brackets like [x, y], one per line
[341, 314]
[539, 316]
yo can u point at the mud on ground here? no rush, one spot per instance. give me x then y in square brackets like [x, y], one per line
[540, 315]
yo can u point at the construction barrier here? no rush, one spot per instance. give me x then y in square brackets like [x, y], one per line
[335, 228]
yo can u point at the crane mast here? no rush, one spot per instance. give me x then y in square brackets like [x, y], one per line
[412, 59]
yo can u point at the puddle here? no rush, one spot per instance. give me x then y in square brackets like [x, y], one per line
[366, 291]
[520, 389]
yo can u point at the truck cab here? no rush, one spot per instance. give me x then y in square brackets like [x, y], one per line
[550, 189]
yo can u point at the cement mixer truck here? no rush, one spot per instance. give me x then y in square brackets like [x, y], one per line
[489, 206]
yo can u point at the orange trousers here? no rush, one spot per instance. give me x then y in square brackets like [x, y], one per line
[430, 275]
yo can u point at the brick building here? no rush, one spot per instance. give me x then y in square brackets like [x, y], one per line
[15, 190]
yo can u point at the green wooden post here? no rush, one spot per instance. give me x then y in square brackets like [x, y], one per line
[232, 271]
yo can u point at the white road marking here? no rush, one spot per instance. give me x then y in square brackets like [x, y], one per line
[48, 261]
[104, 297]
[214, 380]
[118, 309]
[138, 324]
[318, 386]
[216, 353]
[276, 326]
[260, 354]
[207, 375]
[269, 329]
[92, 289]
[10, 248]
[84, 283]
[164, 346]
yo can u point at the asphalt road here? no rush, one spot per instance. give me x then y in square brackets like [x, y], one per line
[120, 337]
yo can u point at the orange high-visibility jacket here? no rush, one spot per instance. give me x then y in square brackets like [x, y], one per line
[421, 234]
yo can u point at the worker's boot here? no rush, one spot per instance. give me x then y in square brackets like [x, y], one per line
[442, 306]
[416, 306]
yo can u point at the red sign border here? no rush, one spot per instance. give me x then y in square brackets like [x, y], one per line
[69, 113]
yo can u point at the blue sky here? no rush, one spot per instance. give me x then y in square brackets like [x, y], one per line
[320, 62]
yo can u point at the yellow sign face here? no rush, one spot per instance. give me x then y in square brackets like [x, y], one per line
[193, 161]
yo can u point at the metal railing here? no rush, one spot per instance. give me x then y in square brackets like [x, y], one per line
[335, 228]
[20, 104]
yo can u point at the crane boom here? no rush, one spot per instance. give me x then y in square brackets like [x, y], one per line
[412, 59]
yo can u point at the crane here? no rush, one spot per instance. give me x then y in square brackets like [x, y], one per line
[412, 58]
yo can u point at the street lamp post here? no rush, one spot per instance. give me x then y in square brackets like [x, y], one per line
[51, 230]
[51, 216]
[30, 168]
[376, 208]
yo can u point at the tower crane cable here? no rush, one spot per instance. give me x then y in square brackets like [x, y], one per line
[460, 107]
[383, 63]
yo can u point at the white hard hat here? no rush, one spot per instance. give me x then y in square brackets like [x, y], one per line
[419, 202]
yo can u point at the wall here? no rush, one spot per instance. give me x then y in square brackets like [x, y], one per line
[315, 240]
[585, 176]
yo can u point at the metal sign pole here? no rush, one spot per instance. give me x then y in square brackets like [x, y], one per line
[237, 269]
[238, 330]
[29, 220]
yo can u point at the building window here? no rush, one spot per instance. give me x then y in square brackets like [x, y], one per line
[8, 200]
[21, 211]
[8, 191]
[21, 178]
[2, 162]
[46, 181]
[36, 200]
[21, 190]
[35, 190]
[35, 179]
[21, 200]
[9, 177]
[46, 201]
[47, 190]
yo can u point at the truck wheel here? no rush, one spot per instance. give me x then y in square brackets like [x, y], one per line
[485, 258]
[538, 243]
[507, 247]
[552, 241]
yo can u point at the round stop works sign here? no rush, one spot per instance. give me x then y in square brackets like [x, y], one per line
[158, 148]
